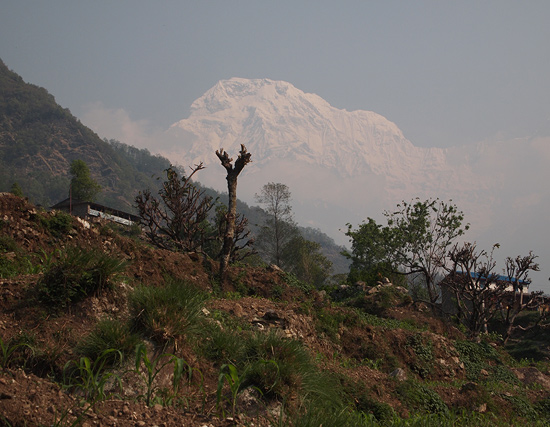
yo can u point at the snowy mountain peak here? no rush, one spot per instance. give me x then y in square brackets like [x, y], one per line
[275, 120]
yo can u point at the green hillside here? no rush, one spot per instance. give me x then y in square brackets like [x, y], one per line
[39, 139]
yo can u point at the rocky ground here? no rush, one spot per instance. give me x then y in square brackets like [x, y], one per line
[31, 393]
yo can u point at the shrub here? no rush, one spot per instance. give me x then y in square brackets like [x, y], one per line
[58, 223]
[109, 334]
[420, 398]
[166, 313]
[291, 363]
[478, 356]
[76, 274]
[424, 356]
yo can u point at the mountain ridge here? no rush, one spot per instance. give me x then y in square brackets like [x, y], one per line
[275, 119]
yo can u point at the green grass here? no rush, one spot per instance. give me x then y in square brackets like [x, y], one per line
[77, 273]
[168, 313]
[109, 334]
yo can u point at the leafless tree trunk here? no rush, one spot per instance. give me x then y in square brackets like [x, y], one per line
[233, 172]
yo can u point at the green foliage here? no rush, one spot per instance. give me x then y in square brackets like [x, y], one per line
[290, 363]
[522, 407]
[371, 248]
[228, 374]
[83, 187]
[293, 281]
[16, 190]
[90, 377]
[7, 244]
[109, 334]
[58, 223]
[328, 321]
[478, 356]
[526, 349]
[423, 350]
[420, 398]
[76, 274]
[416, 240]
[166, 313]
[10, 353]
[304, 259]
[148, 370]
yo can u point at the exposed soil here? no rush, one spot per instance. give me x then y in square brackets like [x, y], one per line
[33, 396]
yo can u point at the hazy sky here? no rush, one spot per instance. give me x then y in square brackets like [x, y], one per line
[446, 72]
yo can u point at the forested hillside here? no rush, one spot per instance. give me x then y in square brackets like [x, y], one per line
[39, 139]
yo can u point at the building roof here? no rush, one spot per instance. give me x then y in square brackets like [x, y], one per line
[67, 203]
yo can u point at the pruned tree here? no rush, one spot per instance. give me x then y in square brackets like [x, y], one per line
[481, 293]
[517, 271]
[475, 286]
[243, 242]
[233, 172]
[279, 228]
[179, 219]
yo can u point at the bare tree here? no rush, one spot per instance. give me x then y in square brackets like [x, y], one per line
[481, 293]
[475, 285]
[231, 216]
[179, 220]
[280, 228]
[517, 272]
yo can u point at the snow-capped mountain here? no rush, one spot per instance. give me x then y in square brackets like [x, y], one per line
[301, 140]
[275, 120]
[343, 166]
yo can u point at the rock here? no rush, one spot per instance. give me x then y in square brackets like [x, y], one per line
[399, 374]
[484, 372]
[238, 310]
[482, 408]
[275, 268]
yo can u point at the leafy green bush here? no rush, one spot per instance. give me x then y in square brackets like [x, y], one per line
[76, 274]
[522, 407]
[109, 334]
[57, 223]
[291, 280]
[166, 313]
[380, 410]
[420, 398]
[423, 350]
[478, 356]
